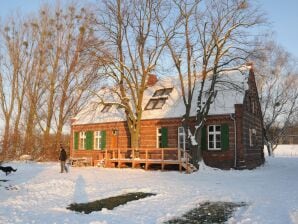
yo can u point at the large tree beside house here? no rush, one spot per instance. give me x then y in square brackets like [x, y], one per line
[133, 38]
[205, 40]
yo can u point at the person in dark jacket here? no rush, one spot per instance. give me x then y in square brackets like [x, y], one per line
[62, 158]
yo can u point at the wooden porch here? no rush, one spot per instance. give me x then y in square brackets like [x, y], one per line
[146, 158]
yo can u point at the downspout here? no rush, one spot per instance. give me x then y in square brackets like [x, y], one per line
[235, 148]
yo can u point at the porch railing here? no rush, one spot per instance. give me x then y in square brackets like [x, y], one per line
[163, 156]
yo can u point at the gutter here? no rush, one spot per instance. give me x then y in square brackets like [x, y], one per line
[235, 148]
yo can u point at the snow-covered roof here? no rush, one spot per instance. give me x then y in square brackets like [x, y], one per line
[230, 91]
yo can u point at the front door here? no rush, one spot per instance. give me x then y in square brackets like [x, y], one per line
[114, 139]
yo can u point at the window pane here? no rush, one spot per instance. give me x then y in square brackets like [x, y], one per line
[180, 130]
[160, 103]
[168, 91]
[97, 137]
[218, 138]
[97, 143]
[211, 138]
[159, 92]
[106, 108]
[211, 128]
[217, 128]
[218, 145]
[181, 137]
[159, 142]
[181, 143]
[211, 145]
[151, 104]
[159, 131]
[82, 134]
[163, 92]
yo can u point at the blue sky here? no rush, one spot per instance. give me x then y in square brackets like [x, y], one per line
[283, 16]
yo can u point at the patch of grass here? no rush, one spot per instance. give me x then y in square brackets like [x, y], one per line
[207, 213]
[108, 203]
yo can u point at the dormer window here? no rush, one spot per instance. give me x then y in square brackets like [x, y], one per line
[106, 108]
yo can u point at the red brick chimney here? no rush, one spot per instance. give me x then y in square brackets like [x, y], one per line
[152, 79]
[72, 120]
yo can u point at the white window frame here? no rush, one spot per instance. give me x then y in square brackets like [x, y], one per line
[82, 140]
[252, 135]
[214, 133]
[158, 134]
[97, 140]
[253, 108]
[181, 132]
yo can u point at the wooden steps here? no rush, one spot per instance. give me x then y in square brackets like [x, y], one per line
[189, 168]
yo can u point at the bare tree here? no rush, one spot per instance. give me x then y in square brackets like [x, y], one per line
[36, 86]
[50, 71]
[209, 38]
[27, 52]
[134, 38]
[13, 37]
[78, 65]
[70, 71]
[277, 79]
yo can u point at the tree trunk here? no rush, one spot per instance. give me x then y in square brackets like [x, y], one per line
[268, 143]
[5, 145]
[196, 151]
[134, 142]
[16, 133]
[269, 149]
[28, 145]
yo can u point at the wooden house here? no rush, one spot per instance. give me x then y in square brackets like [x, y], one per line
[231, 138]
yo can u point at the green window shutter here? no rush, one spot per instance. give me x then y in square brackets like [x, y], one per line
[103, 139]
[76, 140]
[164, 137]
[89, 140]
[204, 138]
[224, 136]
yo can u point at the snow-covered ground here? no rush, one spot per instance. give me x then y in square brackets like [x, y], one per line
[38, 193]
[285, 151]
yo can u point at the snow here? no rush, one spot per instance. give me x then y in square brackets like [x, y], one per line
[230, 91]
[285, 151]
[40, 194]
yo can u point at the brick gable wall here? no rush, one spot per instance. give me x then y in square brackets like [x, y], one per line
[252, 155]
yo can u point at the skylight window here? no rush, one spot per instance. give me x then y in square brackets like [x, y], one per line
[155, 103]
[106, 108]
[158, 99]
[163, 92]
